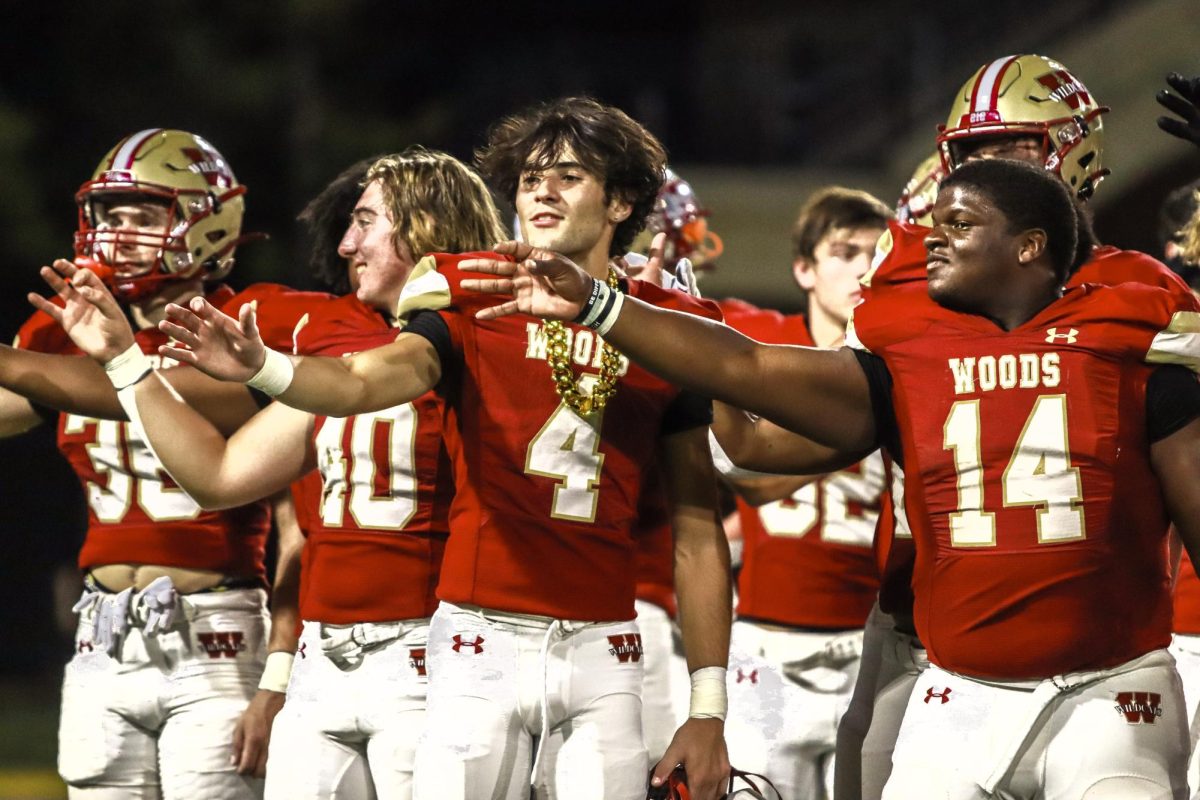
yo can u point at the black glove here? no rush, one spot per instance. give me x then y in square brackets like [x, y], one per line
[1186, 105]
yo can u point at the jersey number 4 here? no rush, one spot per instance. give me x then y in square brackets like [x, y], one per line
[1039, 473]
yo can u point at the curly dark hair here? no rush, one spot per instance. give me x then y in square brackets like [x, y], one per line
[606, 140]
[325, 219]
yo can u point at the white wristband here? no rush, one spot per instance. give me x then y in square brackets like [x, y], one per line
[709, 698]
[129, 367]
[275, 376]
[602, 307]
[277, 671]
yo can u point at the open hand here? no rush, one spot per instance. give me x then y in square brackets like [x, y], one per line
[1186, 104]
[542, 283]
[89, 314]
[699, 745]
[226, 348]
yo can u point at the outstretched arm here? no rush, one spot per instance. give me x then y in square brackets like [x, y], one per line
[757, 444]
[232, 350]
[820, 394]
[702, 586]
[78, 385]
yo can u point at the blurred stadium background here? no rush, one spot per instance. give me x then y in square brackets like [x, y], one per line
[758, 104]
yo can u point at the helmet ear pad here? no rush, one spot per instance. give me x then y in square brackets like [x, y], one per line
[194, 180]
[1031, 95]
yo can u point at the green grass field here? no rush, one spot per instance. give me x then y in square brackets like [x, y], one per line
[28, 723]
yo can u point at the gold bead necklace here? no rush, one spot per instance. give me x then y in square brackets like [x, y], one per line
[558, 352]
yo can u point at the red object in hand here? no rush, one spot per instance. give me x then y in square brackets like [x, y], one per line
[102, 271]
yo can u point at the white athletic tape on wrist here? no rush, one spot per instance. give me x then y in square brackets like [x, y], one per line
[709, 697]
[275, 376]
[129, 367]
[277, 671]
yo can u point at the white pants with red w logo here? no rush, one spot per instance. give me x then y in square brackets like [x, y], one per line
[788, 690]
[157, 719]
[355, 709]
[1119, 733]
[507, 690]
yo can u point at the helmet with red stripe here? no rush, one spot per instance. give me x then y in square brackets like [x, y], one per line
[679, 214]
[1030, 96]
[163, 205]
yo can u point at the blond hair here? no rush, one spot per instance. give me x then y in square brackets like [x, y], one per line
[436, 202]
[1190, 234]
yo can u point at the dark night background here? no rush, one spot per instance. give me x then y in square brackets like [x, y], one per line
[757, 103]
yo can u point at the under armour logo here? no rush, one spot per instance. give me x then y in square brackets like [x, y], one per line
[751, 676]
[1052, 335]
[944, 696]
[626, 647]
[1140, 707]
[222, 643]
[416, 659]
[459, 644]
[84, 644]
[303, 647]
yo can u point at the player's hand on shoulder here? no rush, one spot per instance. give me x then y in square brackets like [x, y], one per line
[542, 283]
[1185, 103]
[253, 732]
[699, 746]
[89, 313]
[214, 342]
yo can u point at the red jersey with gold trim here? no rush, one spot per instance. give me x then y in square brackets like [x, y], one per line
[376, 538]
[1038, 521]
[546, 500]
[136, 513]
[807, 560]
[900, 264]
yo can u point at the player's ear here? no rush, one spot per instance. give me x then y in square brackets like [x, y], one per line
[805, 273]
[1031, 246]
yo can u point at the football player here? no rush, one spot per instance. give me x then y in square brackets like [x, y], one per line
[534, 639]
[172, 631]
[808, 578]
[356, 701]
[1042, 582]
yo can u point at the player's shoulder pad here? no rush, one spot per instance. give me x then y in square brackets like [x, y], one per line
[899, 257]
[764, 324]
[1156, 324]
[890, 318]
[341, 315]
[277, 309]
[40, 333]
[1111, 266]
[672, 299]
[435, 284]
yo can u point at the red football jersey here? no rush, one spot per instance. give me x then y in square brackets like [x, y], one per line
[900, 265]
[376, 538]
[136, 513]
[1038, 521]
[1187, 599]
[545, 499]
[655, 543]
[807, 560]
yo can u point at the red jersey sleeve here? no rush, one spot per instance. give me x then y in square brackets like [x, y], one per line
[278, 310]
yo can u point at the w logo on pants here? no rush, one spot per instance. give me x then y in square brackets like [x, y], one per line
[222, 643]
[626, 647]
[1140, 707]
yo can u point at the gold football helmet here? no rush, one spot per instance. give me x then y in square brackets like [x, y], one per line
[1029, 95]
[203, 200]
